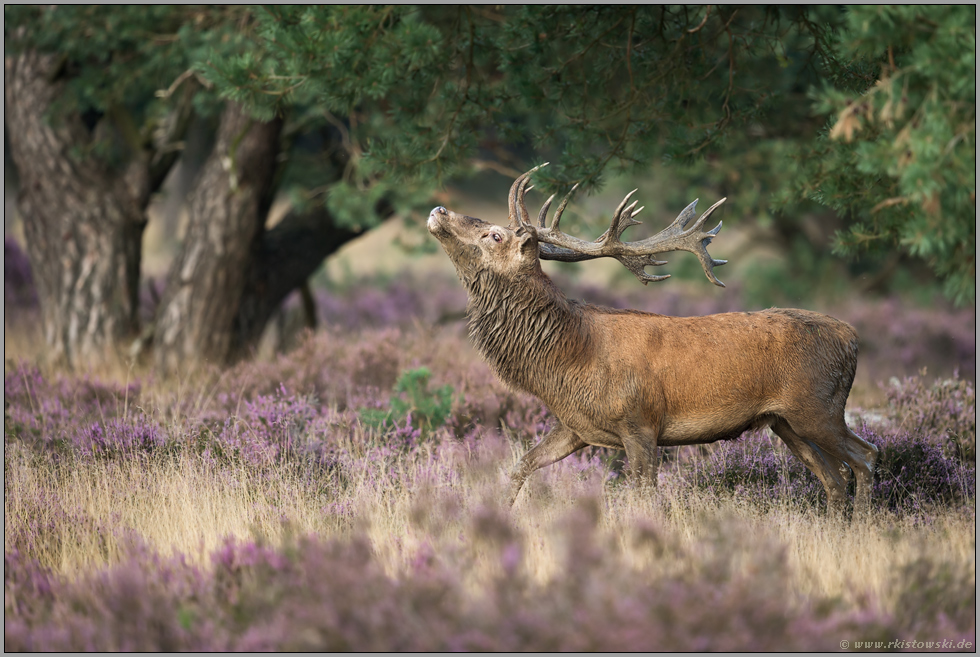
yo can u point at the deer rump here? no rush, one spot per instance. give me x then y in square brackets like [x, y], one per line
[637, 381]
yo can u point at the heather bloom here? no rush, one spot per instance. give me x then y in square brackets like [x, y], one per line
[898, 338]
[456, 571]
[121, 437]
[269, 429]
[399, 303]
[944, 412]
[314, 594]
[915, 474]
[757, 466]
[66, 414]
[45, 521]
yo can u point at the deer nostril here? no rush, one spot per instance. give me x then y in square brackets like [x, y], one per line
[440, 210]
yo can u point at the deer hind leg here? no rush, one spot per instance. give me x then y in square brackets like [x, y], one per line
[862, 457]
[830, 470]
[556, 445]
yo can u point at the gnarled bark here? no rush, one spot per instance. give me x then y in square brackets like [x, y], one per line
[82, 224]
[227, 210]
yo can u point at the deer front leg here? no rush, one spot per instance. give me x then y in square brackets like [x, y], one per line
[641, 451]
[556, 445]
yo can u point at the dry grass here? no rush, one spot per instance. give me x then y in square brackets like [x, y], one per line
[180, 504]
[177, 506]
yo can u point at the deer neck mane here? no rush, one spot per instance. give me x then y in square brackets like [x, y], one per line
[521, 325]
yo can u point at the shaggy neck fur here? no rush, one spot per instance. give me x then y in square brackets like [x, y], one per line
[524, 327]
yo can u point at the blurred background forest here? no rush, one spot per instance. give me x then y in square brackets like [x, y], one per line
[181, 181]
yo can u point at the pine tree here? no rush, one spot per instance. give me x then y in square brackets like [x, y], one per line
[355, 112]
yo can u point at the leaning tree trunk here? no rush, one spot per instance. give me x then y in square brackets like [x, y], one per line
[232, 273]
[82, 225]
[227, 210]
[283, 259]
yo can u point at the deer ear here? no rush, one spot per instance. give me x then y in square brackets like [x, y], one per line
[528, 245]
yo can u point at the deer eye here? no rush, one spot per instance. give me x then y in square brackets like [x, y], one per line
[496, 237]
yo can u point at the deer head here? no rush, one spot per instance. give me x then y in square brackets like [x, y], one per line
[475, 245]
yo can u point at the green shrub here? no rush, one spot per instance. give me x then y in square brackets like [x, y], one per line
[412, 403]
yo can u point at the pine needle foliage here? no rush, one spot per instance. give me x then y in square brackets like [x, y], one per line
[867, 111]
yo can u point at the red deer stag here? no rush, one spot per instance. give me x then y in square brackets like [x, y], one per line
[636, 381]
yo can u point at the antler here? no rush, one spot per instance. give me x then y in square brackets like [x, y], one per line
[635, 256]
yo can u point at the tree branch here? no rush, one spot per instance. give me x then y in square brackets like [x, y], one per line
[167, 138]
[697, 28]
[283, 259]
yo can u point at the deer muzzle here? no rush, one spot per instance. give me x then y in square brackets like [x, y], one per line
[436, 218]
[443, 223]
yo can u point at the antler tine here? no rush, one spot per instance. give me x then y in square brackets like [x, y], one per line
[688, 213]
[512, 199]
[516, 197]
[622, 219]
[543, 214]
[637, 265]
[685, 216]
[524, 217]
[704, 217]
[622, 204]
[518, 205]
[561, 207]
[707, 262]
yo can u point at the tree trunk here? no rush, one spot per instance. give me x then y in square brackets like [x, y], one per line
[82, 225]
[227, 210]
[283, 259]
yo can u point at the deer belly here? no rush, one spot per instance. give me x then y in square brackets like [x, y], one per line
[708, 428]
